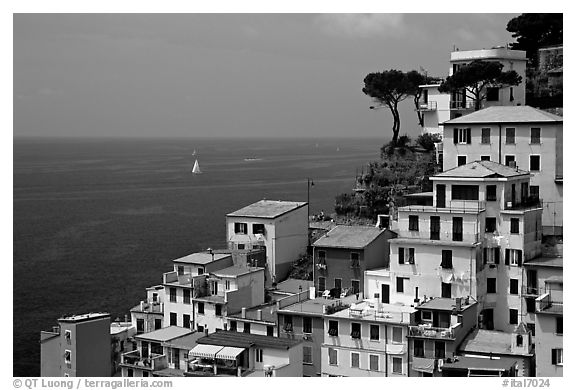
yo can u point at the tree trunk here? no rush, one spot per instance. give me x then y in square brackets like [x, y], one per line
[418, 112]
[396, 126]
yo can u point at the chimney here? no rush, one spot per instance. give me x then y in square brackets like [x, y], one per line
[458, 304]
[259, 315]
[243, 312]
[125, 317]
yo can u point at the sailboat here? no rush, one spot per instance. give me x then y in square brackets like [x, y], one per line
[196, 168]
[194, 152]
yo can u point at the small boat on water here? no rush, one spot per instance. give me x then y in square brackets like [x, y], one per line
[196, 168]
[194, 152]
[252, 159]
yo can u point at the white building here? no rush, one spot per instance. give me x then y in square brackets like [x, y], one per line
[435, 109]
[280, 227]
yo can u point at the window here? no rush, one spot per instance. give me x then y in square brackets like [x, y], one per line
[259, 355]
[233, 326]
[258, 228]
[333, 328]
[400, 255]
[491, 193]
[200, 307]
[519, 340]
[241, 246]
[491, 285]
[68, 356]
[354, 360]
[510, 161]
[514, 225]
[356, 331]
[510, 135]
[511, 94]
[456, 228]
[307, 324]
[446, 259]
[200, 271]
[413, 223]
[513, 317]
[399, 285]
[397, 334]
[140, 325]
[355, 286]
[530, 305]
[411, 257]
[559, 325]
[157, 323]
[535, 135]
[374, 332]
[246, 327]
[434, 228]
[514, 286]
[269, 330]
[214, 287]
[180, 269]
[374, 362]
[322, 257]
[484, 158]
[186, 321]
[173, 319]
[446, 290]
[227, 285]
[531, 328]
[464, 192]
[354, 260]
[172, 294]
[397, 365]
[513, 257]
[338, 283]
[426, 315]
[145, 374]
[535, 163]
[490, 224]
[218, 309]
[462, 136]
[321, 283]
[492, 94]
[332, 356]
[241, 228]
[557, 358]
[130, 372]
[288, 325]
[307, 354]
[534, 191]
[186, 296]
[439, 350]
[418, 348]
[461, 160]
[486, 135]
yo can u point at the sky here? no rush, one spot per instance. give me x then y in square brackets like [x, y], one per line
[226, 75]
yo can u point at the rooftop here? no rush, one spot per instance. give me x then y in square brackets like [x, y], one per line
[235, 271]
[201, 258]
[268, 314]
[488, 341]
[482, 169]
[446, 304]
[344, 236]
[188, 341]
[311, 306]
[507, 114]
[164, 334]
[293, 285]
[497, 52]
[379, 312]
[246, 340]
[119, 327]
[479, 363]
[545, 262]
[267, 209]
[84, 317]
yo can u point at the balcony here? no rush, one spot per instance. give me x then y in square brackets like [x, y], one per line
[429, 106]
[152, 362]
[529, 203]
[149, 307]
[452, 206]
[545, 304]
[532, 290]
[432, 332]
[462, 105]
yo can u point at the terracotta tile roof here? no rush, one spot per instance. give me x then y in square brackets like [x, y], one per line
[481, 169]
[506, 114]
[267, 209]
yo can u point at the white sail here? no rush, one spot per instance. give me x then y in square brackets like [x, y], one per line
[196, 168]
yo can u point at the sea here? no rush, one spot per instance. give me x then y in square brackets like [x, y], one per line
[98, 220]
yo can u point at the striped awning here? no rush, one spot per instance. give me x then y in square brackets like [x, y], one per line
[229, 353]
[205, 351]
[423, 365]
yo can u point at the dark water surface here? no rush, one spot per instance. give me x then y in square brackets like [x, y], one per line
[97, 221]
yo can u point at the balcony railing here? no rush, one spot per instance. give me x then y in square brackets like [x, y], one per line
[429, 106]
[152, 362]
[432, 332]
[545, 304]
[458, 206]
[459, 105]
[532, 290]
[529, 203]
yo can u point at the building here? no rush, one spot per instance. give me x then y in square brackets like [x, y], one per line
[434, 106]
[475, 366]
[496, 344]
[522, 137]
[148, 315]
[368, 339]
[225, 353]
[121, 342]
[461, 104]
[343, 254]
[158, 353]
[202, 263]
[439, 326]
[471, 242]
[550, 328]
[79, 346]
[279, 227]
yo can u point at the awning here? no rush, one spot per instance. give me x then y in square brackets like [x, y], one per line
[229, 353]
[205, 351]
[395, 349]
[423, 365]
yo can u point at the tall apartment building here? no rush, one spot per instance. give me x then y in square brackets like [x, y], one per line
[279, 227]
[148, 315]
[79, 346]
[522, 137]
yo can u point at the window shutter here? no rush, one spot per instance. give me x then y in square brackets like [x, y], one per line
[520, 258]
[485, 255]
[507, 257]
[468, 135]
[455, 135]
[554, 356]
[400, 255]
[497, 255]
